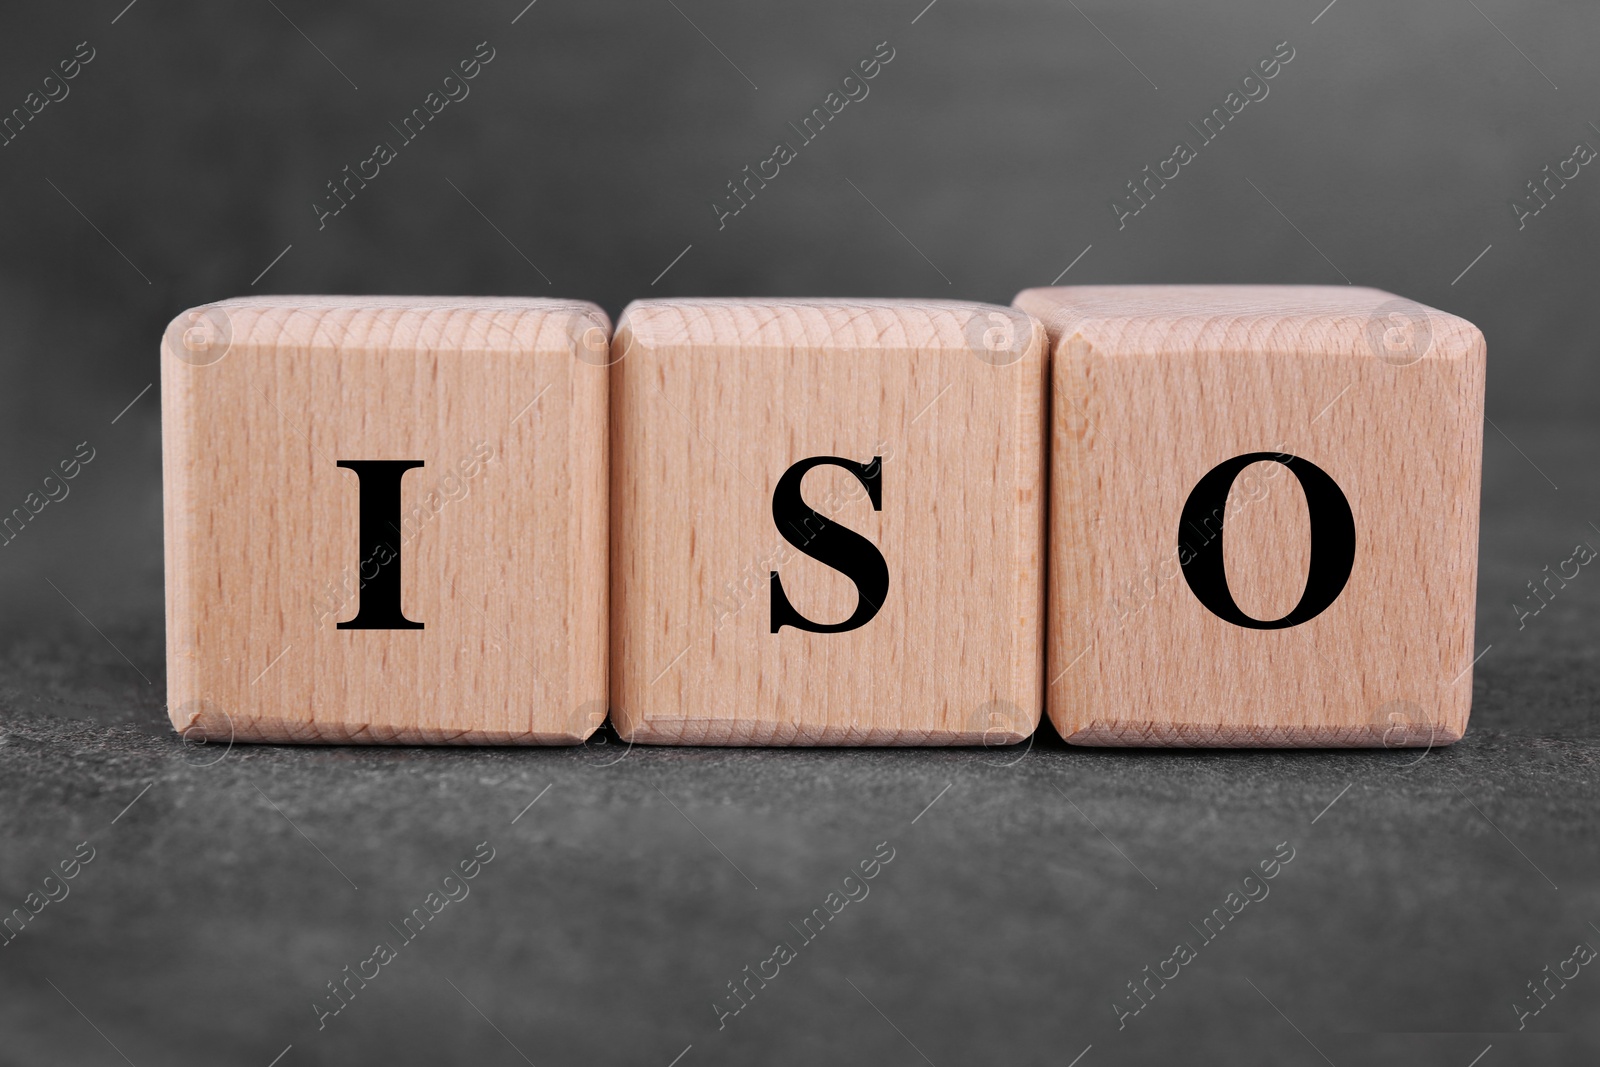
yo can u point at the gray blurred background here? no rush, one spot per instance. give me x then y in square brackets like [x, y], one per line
[182, 165]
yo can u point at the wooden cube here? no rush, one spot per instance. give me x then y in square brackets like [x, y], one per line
[827, 522]
[386, 519]
[1336, 433]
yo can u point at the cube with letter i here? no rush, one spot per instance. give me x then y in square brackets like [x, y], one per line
[827, 522]
[1263, 515]
[386, 519]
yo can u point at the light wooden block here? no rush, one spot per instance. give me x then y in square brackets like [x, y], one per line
[1154, 387]
[501, 532]
[942, 405]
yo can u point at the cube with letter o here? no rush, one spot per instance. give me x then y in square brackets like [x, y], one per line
[1264, 515]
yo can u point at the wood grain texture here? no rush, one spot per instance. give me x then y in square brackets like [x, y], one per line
[1154, 386]
[503, 533]
[712, 401]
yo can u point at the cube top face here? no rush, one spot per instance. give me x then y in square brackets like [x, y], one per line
[1003, 335]
[1155, 389]
[1144, 320]
[346, 324]
[474, 433]
[827, 522]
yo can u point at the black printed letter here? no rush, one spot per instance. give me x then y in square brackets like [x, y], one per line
[827, 542]
[1333, 540]
[378, 482]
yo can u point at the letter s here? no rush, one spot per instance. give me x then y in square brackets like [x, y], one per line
[844, 550]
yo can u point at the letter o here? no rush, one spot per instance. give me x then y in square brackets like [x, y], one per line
[1333, 541]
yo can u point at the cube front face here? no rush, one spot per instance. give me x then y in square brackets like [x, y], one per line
[1153, 388]
[911, 527]
[280, 525]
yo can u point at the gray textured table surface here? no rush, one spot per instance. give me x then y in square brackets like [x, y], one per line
[228, 887]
